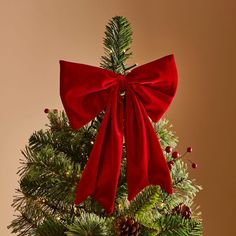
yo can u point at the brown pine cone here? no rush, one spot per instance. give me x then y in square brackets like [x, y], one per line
[126, 226]
[183, 210]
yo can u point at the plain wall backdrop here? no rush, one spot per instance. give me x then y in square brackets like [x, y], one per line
[34, 35]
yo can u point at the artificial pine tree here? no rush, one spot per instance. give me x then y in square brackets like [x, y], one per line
[55, 158]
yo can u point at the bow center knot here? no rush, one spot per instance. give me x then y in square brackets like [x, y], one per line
[122, 83]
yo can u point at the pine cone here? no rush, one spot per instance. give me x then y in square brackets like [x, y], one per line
[126, 226]
[183, 210]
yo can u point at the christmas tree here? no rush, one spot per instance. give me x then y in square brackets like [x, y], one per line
[54, 161]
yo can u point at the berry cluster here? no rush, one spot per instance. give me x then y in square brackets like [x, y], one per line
[47, 110]
[176, 155]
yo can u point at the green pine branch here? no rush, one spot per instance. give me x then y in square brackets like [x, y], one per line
[117, 40]
[144, 201]
[89, 224]
[173, 225]
[181, 181]
[51, 227]
[77, 145]
[165, 134]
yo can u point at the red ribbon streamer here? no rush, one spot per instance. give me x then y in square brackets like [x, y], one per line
[88, 90]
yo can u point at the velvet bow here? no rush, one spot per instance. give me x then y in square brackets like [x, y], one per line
[149, 89]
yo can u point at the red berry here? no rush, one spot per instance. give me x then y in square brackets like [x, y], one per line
[168, 149]
[46, 110]
[194, 165]
[189, 149]
[55, 111]
[170, 163]
[175, 155]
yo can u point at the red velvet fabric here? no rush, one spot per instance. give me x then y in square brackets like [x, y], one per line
[86, 91]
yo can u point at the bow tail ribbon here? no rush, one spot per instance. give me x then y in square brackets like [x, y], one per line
[101, 174]
[146, 164]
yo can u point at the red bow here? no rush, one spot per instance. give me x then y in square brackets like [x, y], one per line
[86, 91]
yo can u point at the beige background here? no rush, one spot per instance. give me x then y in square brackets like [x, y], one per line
[34, 35]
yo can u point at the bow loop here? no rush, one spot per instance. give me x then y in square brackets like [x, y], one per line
[155, 85]
[86, 91]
